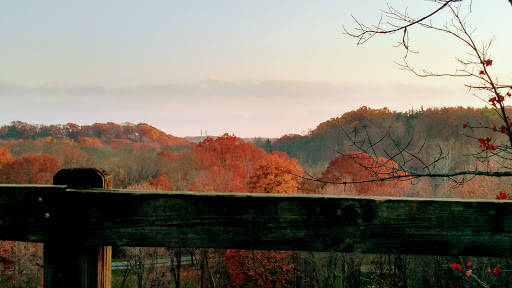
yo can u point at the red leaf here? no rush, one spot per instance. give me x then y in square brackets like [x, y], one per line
[457, 266]
[491, 147]
[488, 62]
[464, 125]
[502, 196]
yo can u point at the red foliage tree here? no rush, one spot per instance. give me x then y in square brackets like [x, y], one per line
[261, 268]
[228, 151]
[354, 167]
[162, 183]
[30, 169]
[227, 161]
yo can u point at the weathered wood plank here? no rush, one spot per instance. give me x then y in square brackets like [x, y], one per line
[256, 221]
[24, 211]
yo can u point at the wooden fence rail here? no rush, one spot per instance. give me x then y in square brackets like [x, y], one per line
[81, 223]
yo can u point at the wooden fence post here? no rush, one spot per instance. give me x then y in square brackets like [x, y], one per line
[68, 263]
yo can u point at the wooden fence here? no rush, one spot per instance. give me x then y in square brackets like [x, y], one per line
[80, 218]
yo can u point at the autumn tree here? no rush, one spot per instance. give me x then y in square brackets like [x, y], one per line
[276, 173]
[362, 169]
[5, 157]
[30, 169]
[227, 161]
[162, 183]
[261, 268]
[230, 152]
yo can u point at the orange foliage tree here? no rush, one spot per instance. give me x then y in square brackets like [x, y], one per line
[355, 167]
[30, 169]
[276, 173]
[93, 142]
[4, 156]
[162, 183]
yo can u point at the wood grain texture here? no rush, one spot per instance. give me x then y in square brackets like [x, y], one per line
[260, 221]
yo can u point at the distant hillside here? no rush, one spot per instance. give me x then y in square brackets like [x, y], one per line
[430, 130]
[435, 128]
[137, 133]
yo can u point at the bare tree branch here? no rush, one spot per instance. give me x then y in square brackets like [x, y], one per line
[475, 67]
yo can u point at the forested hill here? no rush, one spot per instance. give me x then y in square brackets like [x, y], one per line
[137, 133]
[431, 128]
[436, 127]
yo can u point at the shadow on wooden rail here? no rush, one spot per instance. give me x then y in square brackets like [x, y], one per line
[80, 217]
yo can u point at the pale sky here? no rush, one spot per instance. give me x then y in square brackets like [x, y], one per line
[252, 68]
